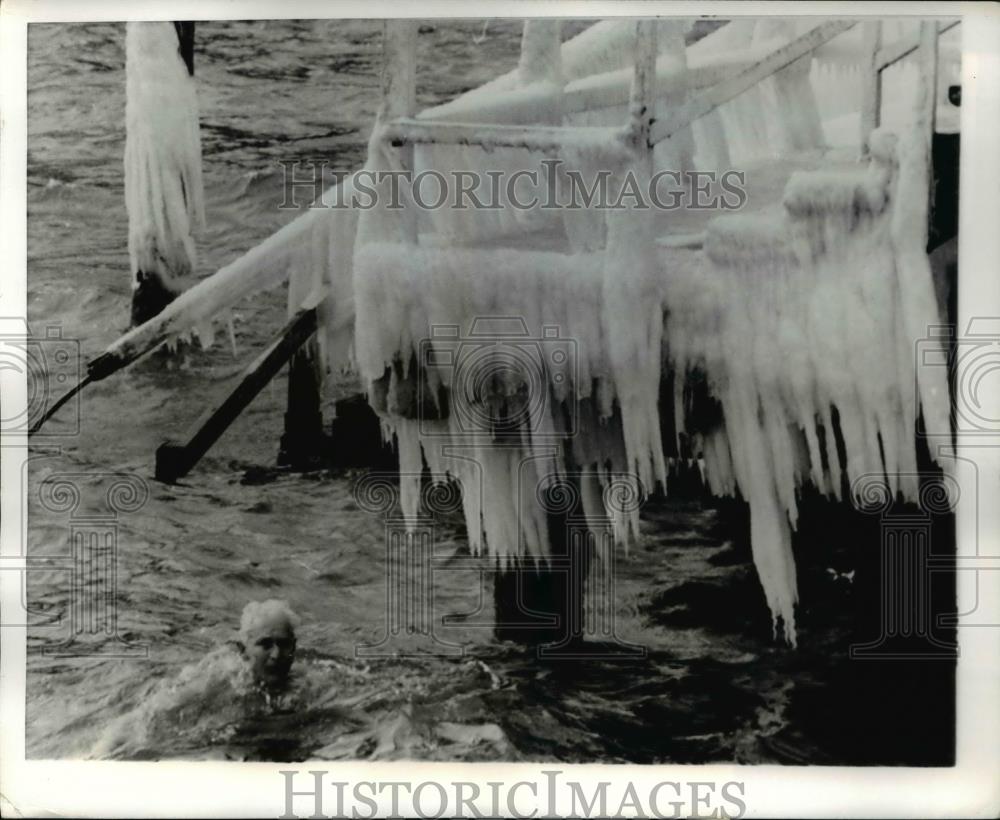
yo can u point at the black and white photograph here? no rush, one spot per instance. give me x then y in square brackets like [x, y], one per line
[552, 390]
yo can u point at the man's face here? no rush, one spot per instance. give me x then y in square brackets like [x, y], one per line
[270, 649]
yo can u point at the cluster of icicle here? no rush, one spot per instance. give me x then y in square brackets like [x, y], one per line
[789, 317]
[591, 384]
[584, 337]
[604, 290]
[163, 184]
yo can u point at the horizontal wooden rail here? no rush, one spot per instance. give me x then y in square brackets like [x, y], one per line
[708, 101]
[532, 137]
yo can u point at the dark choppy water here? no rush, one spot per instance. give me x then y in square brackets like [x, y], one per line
[713, 686]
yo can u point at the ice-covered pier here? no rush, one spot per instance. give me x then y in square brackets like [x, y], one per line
[794, 319]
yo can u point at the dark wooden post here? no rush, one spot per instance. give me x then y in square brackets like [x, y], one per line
[185, 37]
[537, 604]
[302, 443]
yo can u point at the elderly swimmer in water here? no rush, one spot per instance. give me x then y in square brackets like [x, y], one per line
[230, 684]
[267, 642]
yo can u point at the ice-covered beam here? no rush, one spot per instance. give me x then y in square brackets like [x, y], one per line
[399, 90]
[631, 310]
[163, 185]
[519, 105]
[679, 151]
[728, 89]
[598, 90]
[643, 90]
[896, 51]
[399, 69]
[927, 61]
[263, 267]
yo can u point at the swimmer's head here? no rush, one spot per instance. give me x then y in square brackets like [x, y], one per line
[267, 632]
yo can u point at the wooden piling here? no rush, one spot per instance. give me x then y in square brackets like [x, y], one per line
[149, 296]
[302, 442]
[185, 37]
[539, 603]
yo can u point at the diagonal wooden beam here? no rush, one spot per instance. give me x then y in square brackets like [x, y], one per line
[887, 55]
[728, 89]
[175, 459]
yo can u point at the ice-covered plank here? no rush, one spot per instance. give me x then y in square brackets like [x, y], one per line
[537, 138]
[728, 89]
[263, 267]
[596, 67]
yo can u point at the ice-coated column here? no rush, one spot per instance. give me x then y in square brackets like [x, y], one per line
[163, 181]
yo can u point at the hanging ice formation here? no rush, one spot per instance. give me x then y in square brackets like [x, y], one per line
[567, 379]
[411, 294]
[791, 318]
[163, 184]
